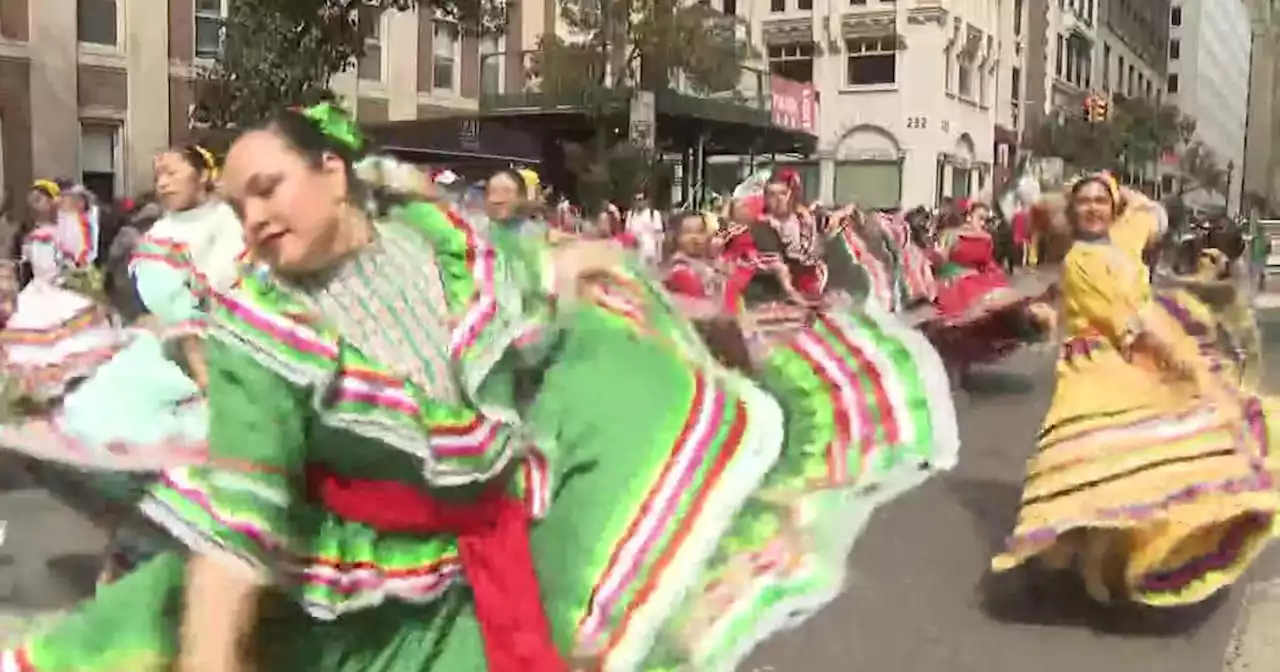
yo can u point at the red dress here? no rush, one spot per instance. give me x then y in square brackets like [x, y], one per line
[981, 317]
[751, 251]
[970, 277]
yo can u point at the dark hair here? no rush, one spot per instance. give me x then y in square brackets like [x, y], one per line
[515, 176]
[310, 141]
[195, 156]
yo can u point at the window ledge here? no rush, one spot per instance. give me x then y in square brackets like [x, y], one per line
[868, 88]
[14, 48]
[372, 88]
[102, 56]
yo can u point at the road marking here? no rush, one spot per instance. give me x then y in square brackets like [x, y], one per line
[1255, 644]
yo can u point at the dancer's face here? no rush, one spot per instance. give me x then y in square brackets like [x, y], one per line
[978, 216]
[42, 204]
[179, 185]
[502, 195]
[1093, 208]
[296, 212]
[692, 236]
[778, 196]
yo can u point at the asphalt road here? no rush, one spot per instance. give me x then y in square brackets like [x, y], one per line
[919, 598]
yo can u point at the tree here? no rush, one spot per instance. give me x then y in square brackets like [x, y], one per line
[277, 53]
[617, 47]
[1199, 169]
[1136, 134]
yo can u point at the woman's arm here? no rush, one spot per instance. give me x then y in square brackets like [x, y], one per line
[222, 610]
[257, 444]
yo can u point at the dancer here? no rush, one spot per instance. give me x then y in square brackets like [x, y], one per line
[400, 475]
[1151, 473]
[783, 256]
[849, 377]
[981, 317]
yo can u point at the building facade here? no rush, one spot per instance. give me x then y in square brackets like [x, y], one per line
[1261, 170]
[1132, 48]
[1210, 47]
[910, 92]
[92, 89]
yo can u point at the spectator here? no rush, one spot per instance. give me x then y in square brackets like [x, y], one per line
[646, 226]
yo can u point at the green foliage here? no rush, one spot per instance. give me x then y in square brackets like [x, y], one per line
[622, 43]
[278, 53]
[1200, 169]
[622, 171]
[615, 46]
[1136, 133]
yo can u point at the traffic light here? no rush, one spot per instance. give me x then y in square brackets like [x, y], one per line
[1096, 108]
[1100, 109]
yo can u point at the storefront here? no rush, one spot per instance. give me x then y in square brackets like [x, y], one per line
[470, 146]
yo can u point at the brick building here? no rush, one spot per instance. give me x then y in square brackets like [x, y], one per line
[92, 89]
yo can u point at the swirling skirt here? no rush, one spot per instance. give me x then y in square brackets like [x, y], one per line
[1162, 496]
[684, 514]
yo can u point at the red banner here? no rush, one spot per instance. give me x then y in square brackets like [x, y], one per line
[794, 105]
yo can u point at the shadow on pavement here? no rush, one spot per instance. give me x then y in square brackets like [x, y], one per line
[60, 583]
[1032, 596]
[992, 504]
[1029, 596]
[994, 383]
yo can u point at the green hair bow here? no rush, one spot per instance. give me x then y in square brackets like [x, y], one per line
[334, 122]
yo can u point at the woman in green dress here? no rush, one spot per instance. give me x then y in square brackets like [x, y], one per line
[433, 449]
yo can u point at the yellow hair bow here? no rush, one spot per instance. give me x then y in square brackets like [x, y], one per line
[48, 186]
[210, 163]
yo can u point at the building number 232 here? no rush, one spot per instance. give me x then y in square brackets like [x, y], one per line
[917, 122]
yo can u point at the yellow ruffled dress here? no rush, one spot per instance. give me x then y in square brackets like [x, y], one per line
[1155, 486]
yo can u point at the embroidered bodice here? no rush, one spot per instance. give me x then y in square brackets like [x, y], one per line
[389, 301]
[800, 238]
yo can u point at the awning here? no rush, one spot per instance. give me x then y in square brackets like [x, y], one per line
[458, 138]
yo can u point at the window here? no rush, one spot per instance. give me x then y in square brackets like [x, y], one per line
[1175, 16]
[1173, 83]
[1150, 89]
[1106, 67]
[491, 65]
[1120, 74]
[209, 15]
[1175, 49]
[793, 61]
[370, 65]
[777, 5]
[444, 44]
[1015, 95]
[872, 60]
[1133, 78]
[858, 3]
[1017, 17]
[1060, 57]
[1088, 12]
[964, 74]
[804, 5]
[100, 158]
[96, 22]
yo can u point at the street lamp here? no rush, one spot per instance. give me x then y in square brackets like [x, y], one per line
[1231, 171]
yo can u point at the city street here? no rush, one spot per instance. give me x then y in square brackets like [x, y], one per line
[919, 599]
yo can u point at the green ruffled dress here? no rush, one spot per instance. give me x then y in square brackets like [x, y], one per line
[682, 512]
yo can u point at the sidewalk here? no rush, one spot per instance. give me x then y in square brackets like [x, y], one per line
[1267, 300]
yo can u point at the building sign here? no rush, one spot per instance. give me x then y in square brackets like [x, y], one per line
[643, 119]
[469, 134]
[794, 105]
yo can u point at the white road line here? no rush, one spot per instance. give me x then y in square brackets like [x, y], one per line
[1255, 644]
